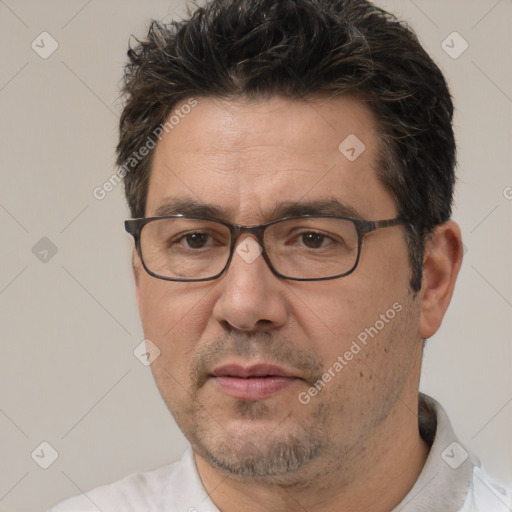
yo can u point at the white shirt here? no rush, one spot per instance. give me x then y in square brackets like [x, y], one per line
[451, 481]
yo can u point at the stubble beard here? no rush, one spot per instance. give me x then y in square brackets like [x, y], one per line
[267, 456]
[288, 453]
[273, 451]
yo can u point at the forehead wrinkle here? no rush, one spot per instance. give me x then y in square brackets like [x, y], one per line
[240, 171]
[278, 157]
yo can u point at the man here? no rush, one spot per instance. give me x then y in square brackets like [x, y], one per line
[289, 166]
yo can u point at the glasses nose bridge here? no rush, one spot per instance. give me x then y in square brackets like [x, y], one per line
[257, 231]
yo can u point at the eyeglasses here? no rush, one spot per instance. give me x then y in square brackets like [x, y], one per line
[304, 248]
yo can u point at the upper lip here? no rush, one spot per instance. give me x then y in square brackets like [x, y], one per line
[254, 370]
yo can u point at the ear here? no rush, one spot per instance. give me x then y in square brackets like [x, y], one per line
[441, 264]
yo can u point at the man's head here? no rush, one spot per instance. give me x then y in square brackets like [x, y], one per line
[272, 379]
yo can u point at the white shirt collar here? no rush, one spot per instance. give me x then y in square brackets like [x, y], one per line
[447, 475]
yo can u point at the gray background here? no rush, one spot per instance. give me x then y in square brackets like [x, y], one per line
[69, 324]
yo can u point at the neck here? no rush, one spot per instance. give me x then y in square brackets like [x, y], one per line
[375, 479]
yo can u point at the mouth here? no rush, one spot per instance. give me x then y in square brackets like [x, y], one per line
[255, 382]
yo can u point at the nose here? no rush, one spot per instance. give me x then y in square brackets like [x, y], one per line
[251, 296]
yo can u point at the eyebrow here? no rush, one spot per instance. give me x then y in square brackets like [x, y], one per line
[190, 207]
[318, 207]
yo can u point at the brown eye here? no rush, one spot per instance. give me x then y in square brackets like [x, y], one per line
[196, 240]
[313, 240]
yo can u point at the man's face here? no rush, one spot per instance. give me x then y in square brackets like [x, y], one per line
[241, 354]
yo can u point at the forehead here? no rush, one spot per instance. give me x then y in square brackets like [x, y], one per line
[247, 157]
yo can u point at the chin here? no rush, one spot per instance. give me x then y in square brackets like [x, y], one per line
[255, 450]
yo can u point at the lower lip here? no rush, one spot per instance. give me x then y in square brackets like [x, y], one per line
[257, 388]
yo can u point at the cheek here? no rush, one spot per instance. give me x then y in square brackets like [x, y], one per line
[332, 315]
[168, 308]
[174, 316]
[384, 264]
